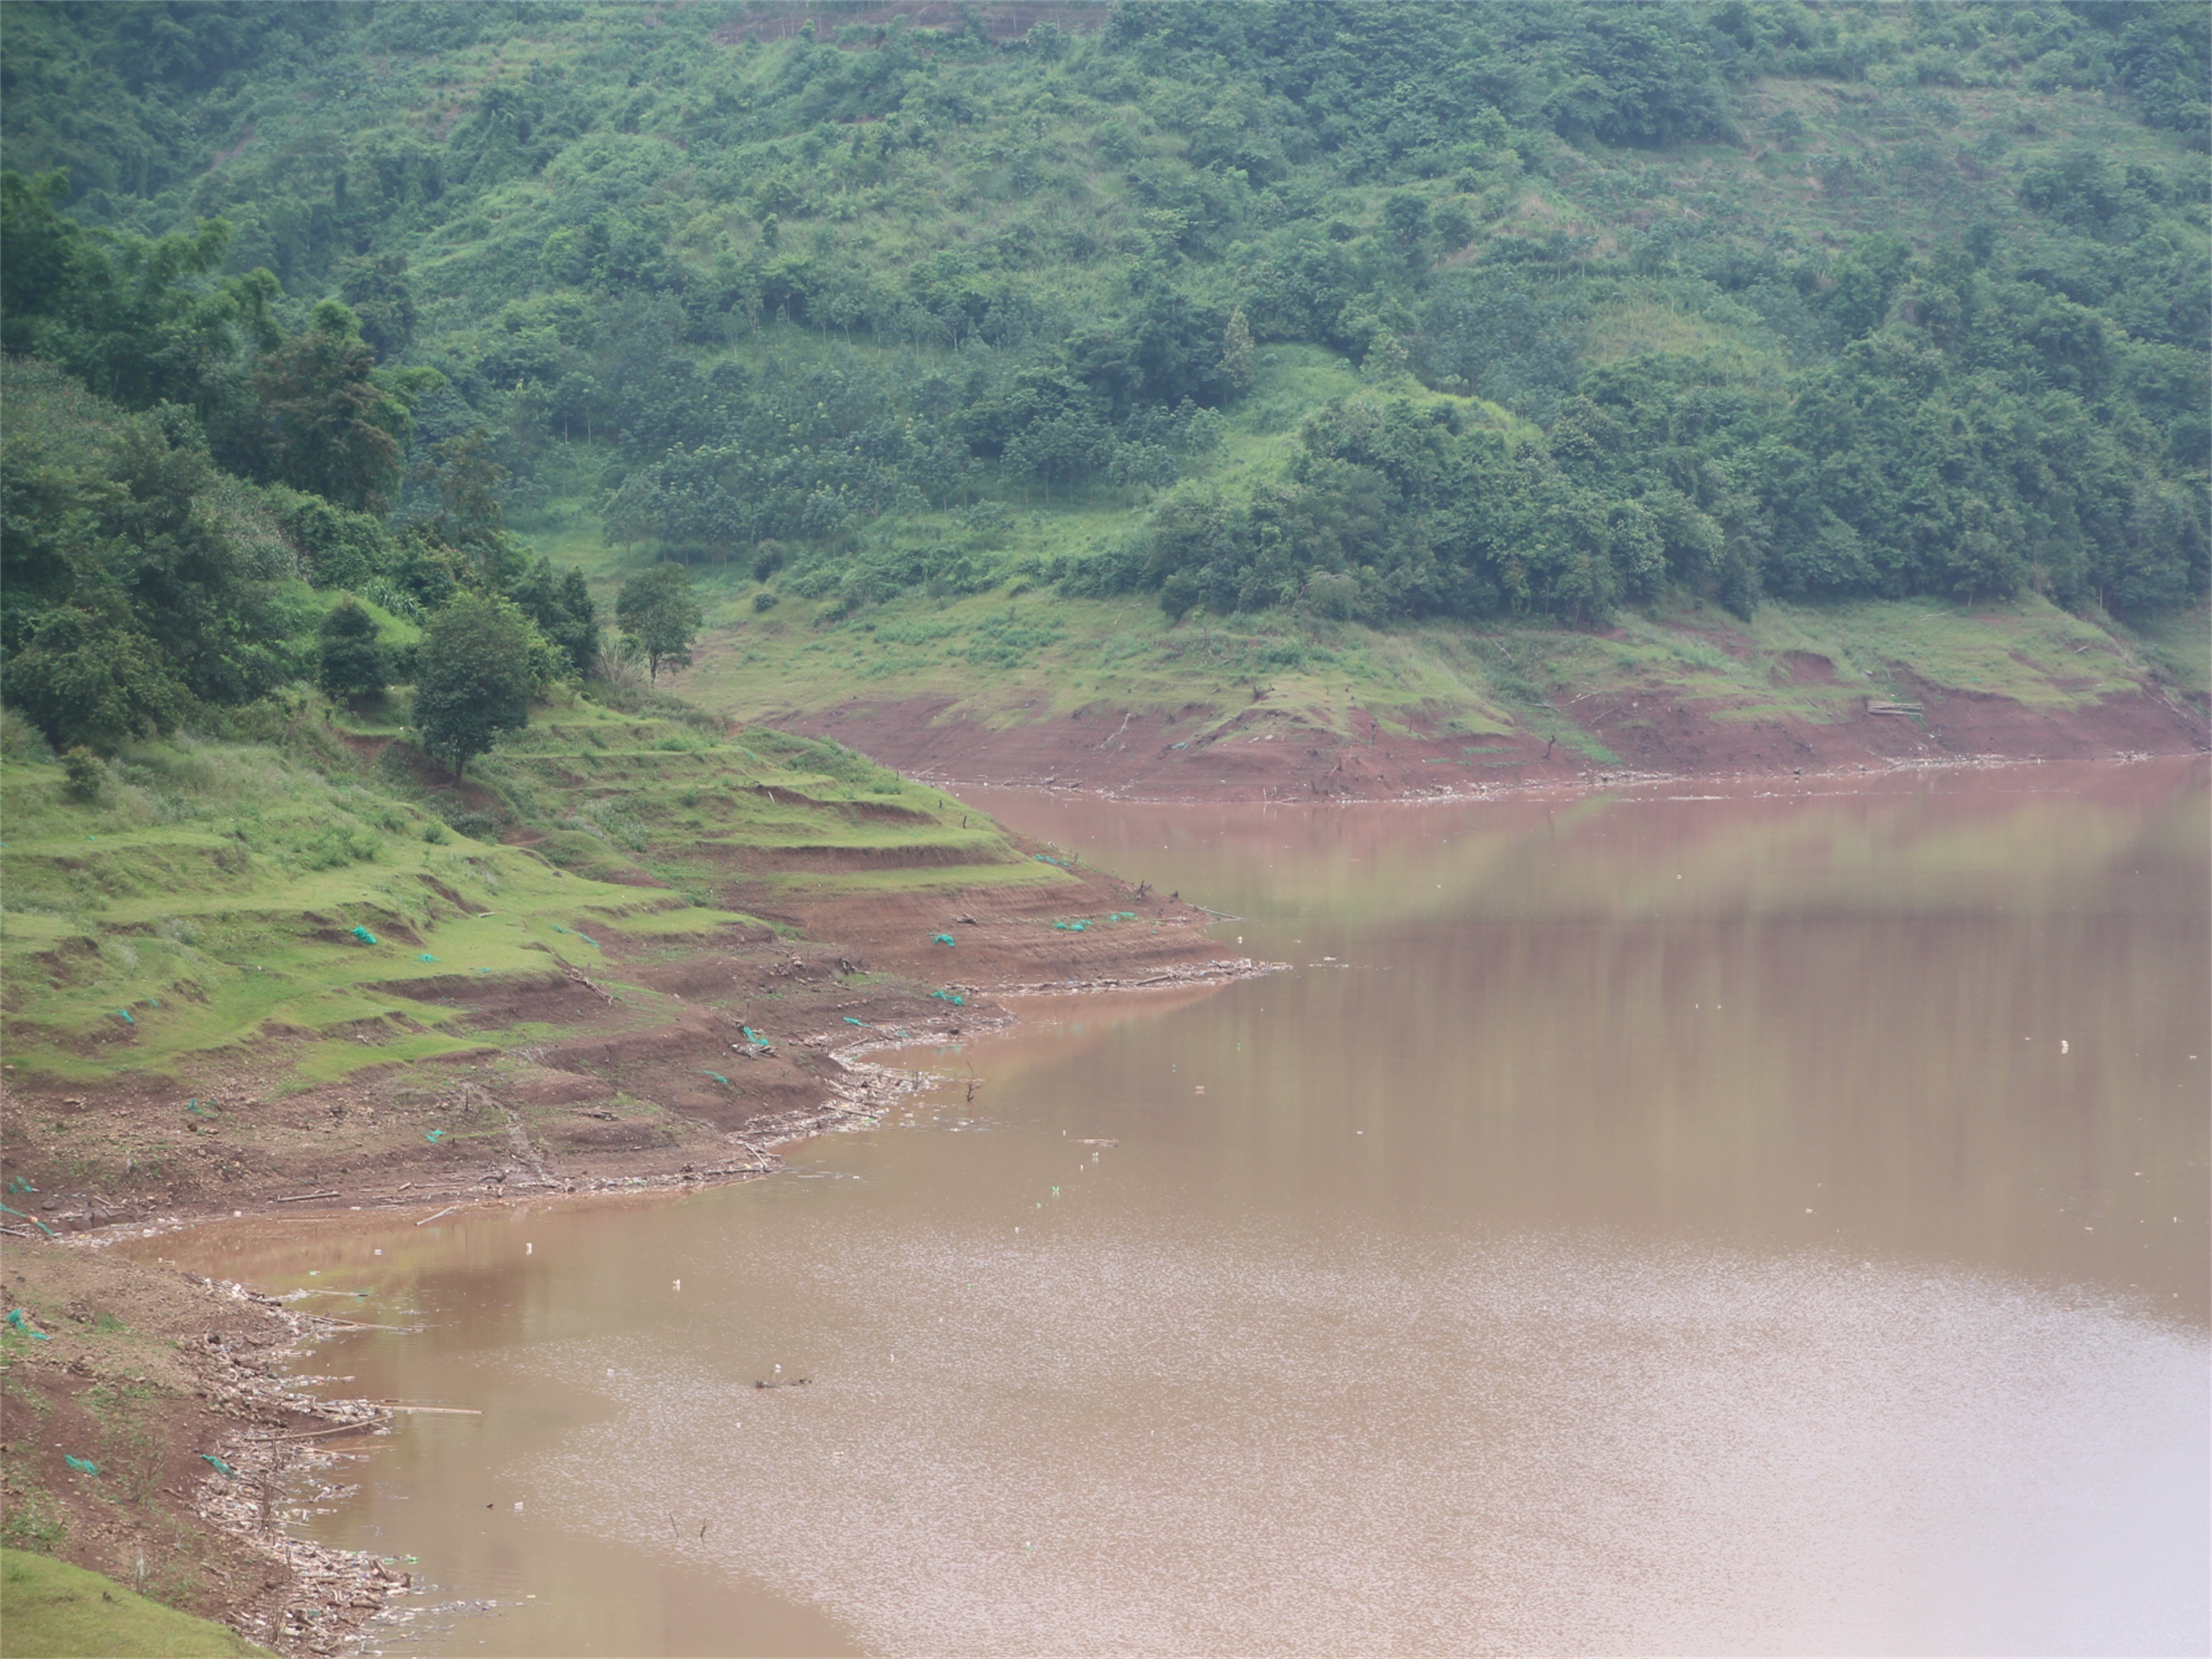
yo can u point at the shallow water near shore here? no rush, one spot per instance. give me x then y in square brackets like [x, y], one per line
[1732, 1222]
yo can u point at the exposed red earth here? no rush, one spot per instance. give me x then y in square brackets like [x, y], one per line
[1266, 754]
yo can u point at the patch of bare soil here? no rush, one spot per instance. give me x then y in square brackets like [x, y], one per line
[1973, 724]
[143, 1434]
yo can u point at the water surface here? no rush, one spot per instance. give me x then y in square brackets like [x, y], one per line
[1741, 1224]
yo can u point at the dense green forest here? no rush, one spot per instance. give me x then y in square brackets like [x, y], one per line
[304, 300]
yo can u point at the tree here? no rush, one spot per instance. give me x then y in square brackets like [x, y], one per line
[1236, 351]
[376, 287]
[141, 321]
[1406, 215]
[87, 776]
[192, 586]
[561, 605]
[657, 614]
[354, 664]
[90, 680]
[333, 428]
[633, 513]
[467, 480]
[1453, 227]
[476, 672]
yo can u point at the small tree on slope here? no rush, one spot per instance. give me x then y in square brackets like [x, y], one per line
[477, 669]
[353, 662]
[656, 610]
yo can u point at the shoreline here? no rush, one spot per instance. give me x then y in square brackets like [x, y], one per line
[1587, 782]
[859, 1092]
[1462, 710]
[272, 1466]
[197, 1446]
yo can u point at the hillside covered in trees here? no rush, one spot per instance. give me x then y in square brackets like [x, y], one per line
[1389, 312]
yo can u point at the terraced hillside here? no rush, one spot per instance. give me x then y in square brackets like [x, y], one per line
[319, 961]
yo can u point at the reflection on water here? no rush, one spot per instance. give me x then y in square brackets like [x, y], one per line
[1639, 1225]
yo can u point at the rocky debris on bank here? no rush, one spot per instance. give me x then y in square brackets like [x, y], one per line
[65, 1213]
[147, 1436]
[1220, 971]
[268, 1475]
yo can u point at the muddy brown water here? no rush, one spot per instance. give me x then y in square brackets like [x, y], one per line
[1684, 1222]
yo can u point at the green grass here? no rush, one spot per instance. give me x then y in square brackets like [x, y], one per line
[921, 880]
[50, 1610]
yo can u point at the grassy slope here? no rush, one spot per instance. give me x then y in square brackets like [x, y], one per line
[55, 1611]
[1476, 682]
[199, 917]
[1017, 654]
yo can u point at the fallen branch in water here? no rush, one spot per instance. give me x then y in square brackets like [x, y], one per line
[317, 1434]
[435, 1411]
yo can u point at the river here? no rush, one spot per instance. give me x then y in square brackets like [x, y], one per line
[1668, 1222]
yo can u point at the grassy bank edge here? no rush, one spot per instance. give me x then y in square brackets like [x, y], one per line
[51, 1610]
